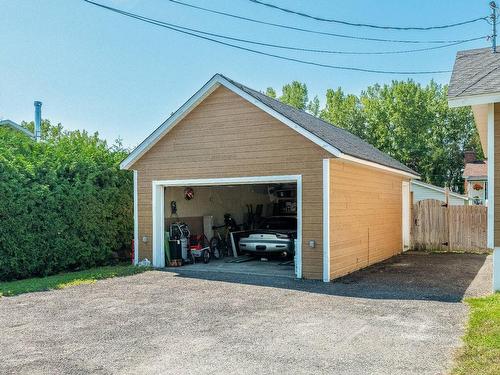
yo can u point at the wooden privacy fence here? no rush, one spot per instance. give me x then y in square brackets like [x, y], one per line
[436, 225]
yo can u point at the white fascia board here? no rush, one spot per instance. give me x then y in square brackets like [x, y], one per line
[173, 120]
[439, 189]
[463, 101]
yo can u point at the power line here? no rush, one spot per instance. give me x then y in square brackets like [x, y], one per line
[401, 28]
[316, 31]
[324, 51]
[313, 50]
[306, 62]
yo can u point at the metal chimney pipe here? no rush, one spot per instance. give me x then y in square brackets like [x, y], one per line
[38, 120]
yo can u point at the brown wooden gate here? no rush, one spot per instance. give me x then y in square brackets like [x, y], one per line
[438, 226]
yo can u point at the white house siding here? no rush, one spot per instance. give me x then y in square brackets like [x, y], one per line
[421, 192]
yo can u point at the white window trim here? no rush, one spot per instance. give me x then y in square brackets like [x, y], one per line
[158, 208]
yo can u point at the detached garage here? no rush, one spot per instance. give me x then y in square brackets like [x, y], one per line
[231, 148]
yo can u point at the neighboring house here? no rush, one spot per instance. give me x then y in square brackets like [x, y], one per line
[475, 82]
[475, 179]
[16, 127]
[422, 191]
[352, 200]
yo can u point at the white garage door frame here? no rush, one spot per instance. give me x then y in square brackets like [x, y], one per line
[158, 202]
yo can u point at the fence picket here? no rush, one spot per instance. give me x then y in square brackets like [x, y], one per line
[440, 227]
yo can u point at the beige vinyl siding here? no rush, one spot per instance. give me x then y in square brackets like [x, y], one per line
[365, 216]
[226, 136]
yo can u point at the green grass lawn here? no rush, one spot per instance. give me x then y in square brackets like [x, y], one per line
[64, 280]
[481, 352]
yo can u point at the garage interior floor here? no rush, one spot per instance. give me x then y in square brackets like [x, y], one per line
[280, 268]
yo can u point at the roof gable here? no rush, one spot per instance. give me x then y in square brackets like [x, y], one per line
[336, 141]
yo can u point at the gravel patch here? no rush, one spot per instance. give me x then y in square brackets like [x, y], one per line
[403, 316]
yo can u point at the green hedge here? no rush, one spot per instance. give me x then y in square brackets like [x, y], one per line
[64, 203]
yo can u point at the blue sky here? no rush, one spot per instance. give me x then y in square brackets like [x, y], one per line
[100, 71]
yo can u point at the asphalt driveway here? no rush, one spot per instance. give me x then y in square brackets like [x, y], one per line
[400, 317]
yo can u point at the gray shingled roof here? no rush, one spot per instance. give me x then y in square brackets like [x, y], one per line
[476, 71]
[339, 138]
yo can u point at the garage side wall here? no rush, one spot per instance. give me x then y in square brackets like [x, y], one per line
[226, 136]
[365, 216]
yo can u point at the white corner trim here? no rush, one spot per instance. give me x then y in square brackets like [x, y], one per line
[326, 220]
[136, 221]
[463, 101]
[405, 213]
[491, 177]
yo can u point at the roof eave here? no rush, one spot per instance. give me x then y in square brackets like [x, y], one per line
[470, 100]
[18, 127]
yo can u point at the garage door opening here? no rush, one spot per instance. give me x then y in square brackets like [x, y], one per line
[245, 225]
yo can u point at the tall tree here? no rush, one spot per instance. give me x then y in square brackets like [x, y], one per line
[404, 119]
[415, 125]
[271, 92]
[344, 111]
[295, 94]
[313, 107]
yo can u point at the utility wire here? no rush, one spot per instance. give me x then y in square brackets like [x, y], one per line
[316, 31]
[339, 67]
[324, 51]
[366, 24]
[313, 50]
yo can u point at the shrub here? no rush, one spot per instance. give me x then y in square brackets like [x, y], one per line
[64, 203]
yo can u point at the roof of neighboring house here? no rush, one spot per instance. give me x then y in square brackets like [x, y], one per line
[475, 72]
[477, 169]
[439, 189]
[15, 126]
[337, 141]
